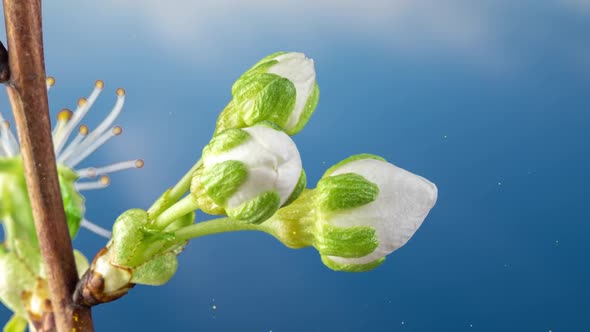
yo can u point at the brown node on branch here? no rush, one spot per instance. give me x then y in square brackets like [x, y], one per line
[91, 290]
[4, 68]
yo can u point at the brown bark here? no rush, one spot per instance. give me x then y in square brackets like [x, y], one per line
[28, 96]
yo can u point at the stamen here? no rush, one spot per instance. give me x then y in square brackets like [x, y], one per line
[91, 172]
[81, 152]
[101, 183]
[7, 139]
[82, 132]
[108, 121]
[83, 106]
[94, 228]
[49, 82]
[62, 119]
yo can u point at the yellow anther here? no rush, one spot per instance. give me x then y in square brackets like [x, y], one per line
[120, 92]
[139, 163]
[105, 180]
[83, 130]
[64, 115]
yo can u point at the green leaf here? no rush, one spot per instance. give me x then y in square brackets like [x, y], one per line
[16, 278]
[129, 237]
[156, 271]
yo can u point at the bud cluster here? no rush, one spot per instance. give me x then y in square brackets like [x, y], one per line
[361, 210]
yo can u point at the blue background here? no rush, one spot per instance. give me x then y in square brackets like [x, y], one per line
[489, 100]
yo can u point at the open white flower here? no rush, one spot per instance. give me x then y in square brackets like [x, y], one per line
[281, 88]
[69, 154]
[250, 172]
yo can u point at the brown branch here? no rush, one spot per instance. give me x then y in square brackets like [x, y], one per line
[28, 97]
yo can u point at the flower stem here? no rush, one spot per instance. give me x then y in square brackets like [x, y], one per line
[215, 226]
[175, 192]
[186, 205]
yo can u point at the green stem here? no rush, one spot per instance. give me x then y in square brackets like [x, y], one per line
[214, 226]
[186, 205]
[184, 184]
[174, 193]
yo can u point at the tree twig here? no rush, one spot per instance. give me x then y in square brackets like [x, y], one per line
[28, 97]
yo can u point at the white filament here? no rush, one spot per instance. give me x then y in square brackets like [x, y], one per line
[82, 152]
[91, 172]
[97, 133]
[94, 228]
[83, 186]
[79, 113]
[70, 148]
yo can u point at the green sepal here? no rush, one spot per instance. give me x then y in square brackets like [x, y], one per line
[351, 159]
[16, 278]
[271, 125]
[263, 64]
[157, 271]
[345, 191]
[229, 118]
[225, 141]
[309, 108]
[301, 183]
[15, 324]
[73, 201]
[258, 209]
[349, 242]
[222, 180]
[264, 96]
[15, 209]
[351, 267]
[203, 200]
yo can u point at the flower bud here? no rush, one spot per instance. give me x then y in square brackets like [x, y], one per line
[281, 88]
[366, 209]
[362, 209]
[248, 173]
